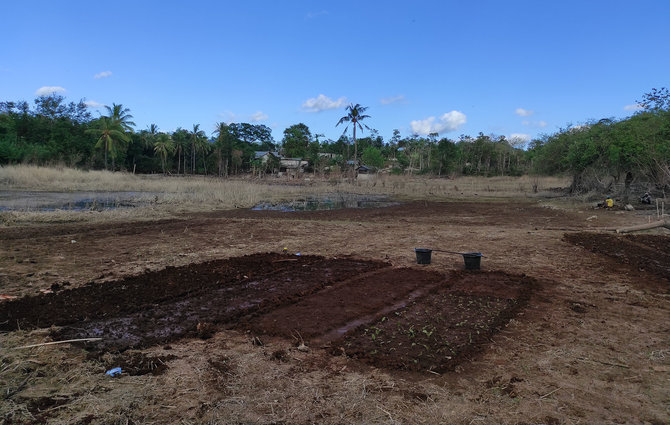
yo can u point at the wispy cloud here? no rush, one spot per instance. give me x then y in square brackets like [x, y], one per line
[228, 116]
[633, 107]
[93, 104]
[48, 90]
[539, 124]
[523, 112]
[392, 99]
[259, 116]
[312, 15]
[519, 136]
[323, 103]
[450, 121]
[103, 74]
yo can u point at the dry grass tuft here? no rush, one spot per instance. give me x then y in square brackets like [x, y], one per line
[160, 196]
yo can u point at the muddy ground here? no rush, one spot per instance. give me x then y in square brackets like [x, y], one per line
[212, 321]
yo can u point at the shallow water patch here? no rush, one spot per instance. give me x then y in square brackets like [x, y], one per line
[71, 201]
[331, 201]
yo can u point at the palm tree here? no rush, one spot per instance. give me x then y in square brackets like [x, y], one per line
[197, 136]
[111, 134]
[163, 146]
[148, 136]
[223, 146]
[355, 116]
[121, 116]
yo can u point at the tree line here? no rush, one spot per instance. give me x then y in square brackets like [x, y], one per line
[596, 154]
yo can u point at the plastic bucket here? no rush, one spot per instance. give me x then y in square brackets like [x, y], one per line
[423, 255]
[472, 260]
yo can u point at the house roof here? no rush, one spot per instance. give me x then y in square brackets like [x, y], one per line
[260, 154]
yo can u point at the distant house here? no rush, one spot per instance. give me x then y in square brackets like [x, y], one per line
[292, 164]
[265, 155]
[365, 172]
[365, 169]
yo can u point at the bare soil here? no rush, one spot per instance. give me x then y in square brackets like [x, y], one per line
[212, 321]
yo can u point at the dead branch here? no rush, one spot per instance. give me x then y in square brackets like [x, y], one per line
[660, 223]
[59, 342]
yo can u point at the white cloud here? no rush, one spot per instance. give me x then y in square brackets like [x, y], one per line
[312, 15]
[103, 74]
[259, 116]
[633, 107]
[519, 137]
[540, 124]
[450, 121]
[228, 116]
[323, 103]
[392, 99]
[93, 104]
[48, 90]
[523, 112]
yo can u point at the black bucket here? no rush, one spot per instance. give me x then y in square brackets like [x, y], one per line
[472, 260]
[423, 255]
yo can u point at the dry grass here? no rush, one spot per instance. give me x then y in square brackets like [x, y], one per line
[164, 196]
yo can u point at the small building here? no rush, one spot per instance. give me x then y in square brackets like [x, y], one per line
[365, 172]
[264, 156]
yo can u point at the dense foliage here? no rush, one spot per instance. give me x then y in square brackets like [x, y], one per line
[598, 155]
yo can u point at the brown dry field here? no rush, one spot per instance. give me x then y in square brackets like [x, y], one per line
[591, 346]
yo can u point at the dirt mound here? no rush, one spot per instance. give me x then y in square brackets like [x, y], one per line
[162, 306]
[346, 305]
[444, 328]
[648, 253]
[392, 317]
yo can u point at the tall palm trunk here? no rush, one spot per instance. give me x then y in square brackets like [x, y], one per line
[106, 148]
[353, 166]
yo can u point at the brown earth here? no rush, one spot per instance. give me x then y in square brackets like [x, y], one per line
[212, 324]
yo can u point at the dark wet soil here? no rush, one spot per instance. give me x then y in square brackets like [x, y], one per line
[217, 296]
[450, 324]
[644, 253]
[392, 317]
[339, 305]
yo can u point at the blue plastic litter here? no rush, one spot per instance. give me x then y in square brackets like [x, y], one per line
[297, 253]
[113, 372]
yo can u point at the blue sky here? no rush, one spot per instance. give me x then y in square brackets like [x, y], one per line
[505, 67]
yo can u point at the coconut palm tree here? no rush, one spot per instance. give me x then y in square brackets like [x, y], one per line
[197, 136]
[111, 134]
[224, 147]
[163, 146]
[354, 116]
[120, 115]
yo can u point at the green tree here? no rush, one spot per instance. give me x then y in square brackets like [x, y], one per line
[656, 100]
[120, 116]
[197, 136]
[111, 135]
[224, 145]
[354, 116]
[373, 156]
[181, 139]
[296, 140]
[163, 146]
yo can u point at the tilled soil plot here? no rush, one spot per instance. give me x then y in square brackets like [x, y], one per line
[590, 346]
[394, 317]
[187, 301]
[346, 305]
[648, 253]
[451, 323]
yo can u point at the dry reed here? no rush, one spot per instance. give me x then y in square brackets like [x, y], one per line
[162, 196]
